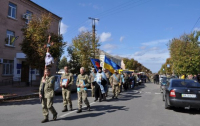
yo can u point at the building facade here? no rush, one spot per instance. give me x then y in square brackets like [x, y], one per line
[118, 60]
[14, 15]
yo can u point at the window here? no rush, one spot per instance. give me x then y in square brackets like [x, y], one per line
[10, 38]
[37, 72]
[8, 66]
[12, 10]
[28, 16]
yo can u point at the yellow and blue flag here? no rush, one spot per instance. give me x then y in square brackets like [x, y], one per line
[110, 65]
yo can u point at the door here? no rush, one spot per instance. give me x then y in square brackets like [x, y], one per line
[24, 72]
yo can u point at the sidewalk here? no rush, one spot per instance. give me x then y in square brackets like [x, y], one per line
[11, 92]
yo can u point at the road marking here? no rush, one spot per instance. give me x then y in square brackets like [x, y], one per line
[148, 92]
[74, 111]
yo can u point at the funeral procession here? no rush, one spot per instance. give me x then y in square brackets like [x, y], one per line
[99, 63]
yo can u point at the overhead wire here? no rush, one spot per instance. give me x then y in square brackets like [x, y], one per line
[120, 8]
[112, 9]
[195, 24]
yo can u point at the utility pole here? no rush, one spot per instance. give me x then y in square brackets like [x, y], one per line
[93, 34]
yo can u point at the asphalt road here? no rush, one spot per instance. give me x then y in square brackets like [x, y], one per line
[140, 107]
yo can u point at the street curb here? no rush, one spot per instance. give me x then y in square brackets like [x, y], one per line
[19, 97]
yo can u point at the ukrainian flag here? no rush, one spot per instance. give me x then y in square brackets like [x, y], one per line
[110, 65]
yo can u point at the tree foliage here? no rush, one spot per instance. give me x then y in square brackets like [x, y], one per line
[62, 63]
[167, 67]
[135, 65]
[185, 54]
[74, 62]
[35, 37]
[83, 46]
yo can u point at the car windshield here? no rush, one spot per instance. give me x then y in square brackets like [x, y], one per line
[185, 83]
[164, 80]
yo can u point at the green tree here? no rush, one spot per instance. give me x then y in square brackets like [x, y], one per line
[62, 63]
[185, 54]
[36, 37]
[83, 47]
[74, 62]
[132, 64]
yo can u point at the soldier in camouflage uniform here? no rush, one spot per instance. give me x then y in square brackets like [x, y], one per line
[82, 83]
[66, 89]
[46, 93]
[115, 79]
[92, 77]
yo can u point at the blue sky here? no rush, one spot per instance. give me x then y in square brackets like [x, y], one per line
[138, 29]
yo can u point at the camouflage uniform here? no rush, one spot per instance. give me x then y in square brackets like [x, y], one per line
[108, 82]
[92, 76]
[115, 79]
[66, 91]
[82, 93]
[47, 100]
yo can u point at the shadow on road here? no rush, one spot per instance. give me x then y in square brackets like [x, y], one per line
[102, 109]
[124, 96]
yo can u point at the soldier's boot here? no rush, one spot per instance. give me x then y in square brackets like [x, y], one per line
[65, 109]
[79, 111]
[55, 116]
[45, 119]
[88, 107]
[70, 107]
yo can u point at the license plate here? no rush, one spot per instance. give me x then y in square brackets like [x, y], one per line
[189, 95]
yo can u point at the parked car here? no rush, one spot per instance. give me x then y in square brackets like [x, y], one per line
[182, 93]
[162, 84]
[57, 87]
[160, 79]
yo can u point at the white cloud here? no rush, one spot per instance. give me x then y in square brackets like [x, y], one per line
[63, 28]
[154, 48]
[109, 46]
[152, 58]
[105, 36]
[196, 29]
[139, 53]
[82, 29]
[156, 42]
[121, 38]
[96, 7]
[143, 47]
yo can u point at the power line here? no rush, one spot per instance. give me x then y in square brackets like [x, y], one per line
[195, 23]
[120, 8]
[124, 9]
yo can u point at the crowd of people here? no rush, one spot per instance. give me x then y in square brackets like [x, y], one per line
[99, 80]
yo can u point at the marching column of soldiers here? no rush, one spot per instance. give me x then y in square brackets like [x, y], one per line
[98, 80]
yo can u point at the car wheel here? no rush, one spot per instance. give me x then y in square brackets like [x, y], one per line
[166, 105]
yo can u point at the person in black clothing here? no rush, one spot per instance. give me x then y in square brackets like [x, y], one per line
[157, 79]
[98, 93]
